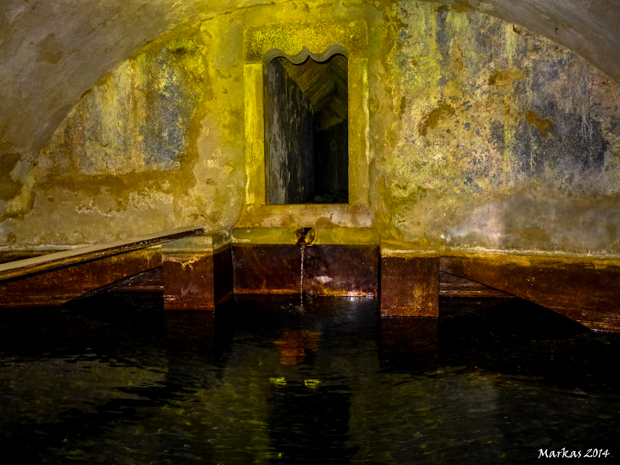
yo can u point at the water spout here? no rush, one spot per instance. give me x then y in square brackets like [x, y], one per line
[306, 236]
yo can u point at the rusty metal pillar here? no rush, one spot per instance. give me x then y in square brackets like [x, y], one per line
[197, 272]
[409, 284]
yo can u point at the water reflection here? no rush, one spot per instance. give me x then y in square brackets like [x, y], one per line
[117, 380]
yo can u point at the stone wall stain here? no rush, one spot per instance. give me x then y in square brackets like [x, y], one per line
[493, 180]
[541, 124]
[131, 156]
[505, 77]
[9, 187]
[460, 8]
[432, 120]
[137, 119]
[50, 50]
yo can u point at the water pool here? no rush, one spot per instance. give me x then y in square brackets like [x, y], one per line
[114, 379]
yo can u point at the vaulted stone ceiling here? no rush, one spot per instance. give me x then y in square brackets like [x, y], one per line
[53, 51]
[325, 85]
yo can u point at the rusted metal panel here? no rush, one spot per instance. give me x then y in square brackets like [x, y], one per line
[52, 261]
[222, 275]
[266, 268]
[457, 286]
[58, 286]
[153, 280]
[149, 281]
[341, 270]
[196, 277]
[328, 269]
[587, 291]
[188, 281]
[410, 286]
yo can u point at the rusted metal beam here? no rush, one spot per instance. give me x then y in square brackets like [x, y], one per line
[585, 290]
[53, 279]
[53, 261]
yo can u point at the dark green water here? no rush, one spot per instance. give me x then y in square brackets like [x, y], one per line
[115, 380]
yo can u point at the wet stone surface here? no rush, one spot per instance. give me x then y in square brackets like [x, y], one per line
[115, 379]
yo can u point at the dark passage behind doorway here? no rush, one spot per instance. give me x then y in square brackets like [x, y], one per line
[307, 131]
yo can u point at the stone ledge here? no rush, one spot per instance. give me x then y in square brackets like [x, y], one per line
[70, 257]
[287, 236]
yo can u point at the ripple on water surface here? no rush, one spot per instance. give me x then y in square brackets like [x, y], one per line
[114, 379]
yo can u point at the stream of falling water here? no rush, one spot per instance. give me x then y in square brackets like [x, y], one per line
[301, 281]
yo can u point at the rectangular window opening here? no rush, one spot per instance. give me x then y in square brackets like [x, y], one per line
[307, 131]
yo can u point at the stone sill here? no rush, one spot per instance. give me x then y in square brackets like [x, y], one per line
[286, 235]
[306, 216]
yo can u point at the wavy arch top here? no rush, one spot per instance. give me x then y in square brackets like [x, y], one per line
[304, 54]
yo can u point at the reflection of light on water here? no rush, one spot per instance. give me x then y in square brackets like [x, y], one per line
[337, 382]
[292, 308]
[312, 383]
[278, 381]
[293, 345]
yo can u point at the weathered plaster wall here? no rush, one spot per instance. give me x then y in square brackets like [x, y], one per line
[290, 117]
[487, 136]
[157, 144]
[53, 51]
[482, 135]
